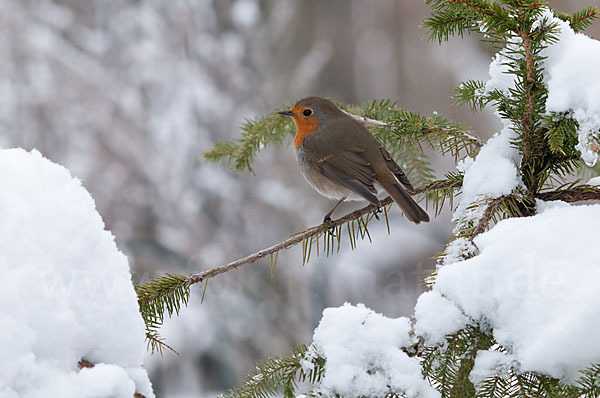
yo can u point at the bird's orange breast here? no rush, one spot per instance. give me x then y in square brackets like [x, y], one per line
[304, 126]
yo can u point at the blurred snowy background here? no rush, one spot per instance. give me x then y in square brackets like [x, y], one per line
[128, 94]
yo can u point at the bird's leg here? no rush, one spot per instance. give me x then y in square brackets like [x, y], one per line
[327, 218]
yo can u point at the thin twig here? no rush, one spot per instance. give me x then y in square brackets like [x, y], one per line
[161, 344]
[312, 232]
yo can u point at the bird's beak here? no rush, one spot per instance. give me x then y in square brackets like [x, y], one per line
[287, 113]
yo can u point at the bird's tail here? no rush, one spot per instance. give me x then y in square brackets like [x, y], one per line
[409, 207]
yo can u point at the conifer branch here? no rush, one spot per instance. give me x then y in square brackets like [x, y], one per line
[279, 375]
[311, 233]
[481, 6]
[447, 366]
[582, 19]
[164, 294]
[168, 293]
[576, 194]
[589, 383]
[487, 217]
[404, 128]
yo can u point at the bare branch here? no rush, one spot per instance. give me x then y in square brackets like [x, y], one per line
[315, 231]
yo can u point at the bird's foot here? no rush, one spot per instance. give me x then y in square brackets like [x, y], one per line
[328, 223]
[376, 212]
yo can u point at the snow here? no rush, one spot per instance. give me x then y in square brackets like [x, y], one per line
[571, 73]
[490, 364]
[500, 78]
[364, 354]
[437, 317]
[594, 181]
[65, 291]
[493, 173]
[532, 283]
[541, 205]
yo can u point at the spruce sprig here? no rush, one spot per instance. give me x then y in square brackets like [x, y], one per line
[165, 294]
[447, 367]
[404, 128]
[279, 375]
[581, 20]
[445, 192]
[268, 130]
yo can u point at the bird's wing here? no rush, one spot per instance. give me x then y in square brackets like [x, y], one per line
[347, 168]
[394, 168]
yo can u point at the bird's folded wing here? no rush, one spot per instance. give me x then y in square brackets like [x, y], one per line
[347, 168]
[394, 168]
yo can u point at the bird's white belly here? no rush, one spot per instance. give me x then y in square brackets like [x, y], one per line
[325, 186]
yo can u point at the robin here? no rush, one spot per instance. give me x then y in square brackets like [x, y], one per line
[342, 160]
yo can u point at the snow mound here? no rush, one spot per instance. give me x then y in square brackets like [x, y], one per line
[364, 354]
[65, 291]
[535, 282]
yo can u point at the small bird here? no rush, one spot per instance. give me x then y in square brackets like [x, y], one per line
[342, 160]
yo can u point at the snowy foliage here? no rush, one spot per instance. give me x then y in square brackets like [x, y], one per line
[493, 173]
[436, 317]
[490, 363]
[532, 292]
[65, 293]
[364, 355]
[572, 76]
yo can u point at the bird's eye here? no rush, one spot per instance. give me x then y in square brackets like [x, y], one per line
[307, 112]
